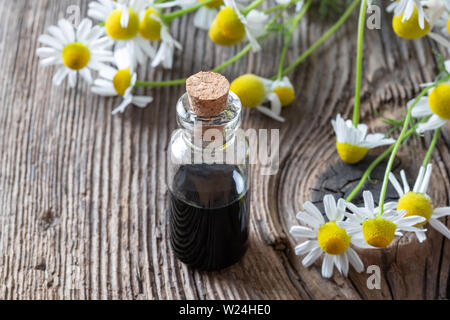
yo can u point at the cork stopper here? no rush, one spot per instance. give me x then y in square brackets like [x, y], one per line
[208, 93]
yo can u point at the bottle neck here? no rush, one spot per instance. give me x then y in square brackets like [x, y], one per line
[209, 132]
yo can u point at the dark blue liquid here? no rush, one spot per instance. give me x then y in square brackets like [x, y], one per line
[209, 215]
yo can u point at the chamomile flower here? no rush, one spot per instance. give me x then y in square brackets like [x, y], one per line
[326, 238]
[77, 50]
[369, 230]
[120, 81]
[231, 27]
[414, 19]
[353, 143]
[253, 91]
[418, 203]
[129, 24]
[406, 9]
[436, 105]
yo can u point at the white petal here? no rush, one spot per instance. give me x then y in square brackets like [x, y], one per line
[312, 210]
[440, 39]
[344, 263]
[302, 232]
[275, 103]
[433, 123]
[396, 184]
[141, 101]
[389, 206]
[67, 29]
[439, 226]
[309, 220]
[419, 179]
[409, 221]
[47, 52]
[421, 236]
[406, 188]
[60, 75]
[351, 228]
[146, 47]
[104, 91]
[121, 108]
[337, 262]
[441, 212]
[312, 256]
[369, 204]
[86, 75]
[50, 61]
[426, 179]
[50, 41]
[341, 206]
[72, 79]
[124, 18]
[327, 266]
[306, 247]
[360, 243]
[355, 260]
[376, 140]
[270, 113]
[421, 109]
[330, 207]
[83, 29]
[58, 34]
[358, 213]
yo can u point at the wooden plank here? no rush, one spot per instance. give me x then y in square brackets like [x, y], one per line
[83, 194]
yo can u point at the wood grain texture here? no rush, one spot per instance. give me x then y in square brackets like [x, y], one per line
[83, 194]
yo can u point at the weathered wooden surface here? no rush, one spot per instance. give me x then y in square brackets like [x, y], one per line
[83, 193]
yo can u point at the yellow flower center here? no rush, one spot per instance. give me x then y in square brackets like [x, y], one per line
[285, 94]
[333, 239]
[416, 204]
[122, 81]
[250, 89]
[150, 28]
[448, 25]
[214, 4]
[114, 28]
[410, 29]
[439, 100]
[76, 56]
[350, 153]
[378, 232]
[227, 29]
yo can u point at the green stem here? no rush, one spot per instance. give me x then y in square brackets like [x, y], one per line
[323, 38]
[232, 60]
[359, 58]
[160, 83]
[224, 65]
[274, 8]
[167, 18]
[372, 166]
[437, 132]
[288, 37]
[251, 6]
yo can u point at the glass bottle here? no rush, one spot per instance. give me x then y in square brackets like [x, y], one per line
[208, 186]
